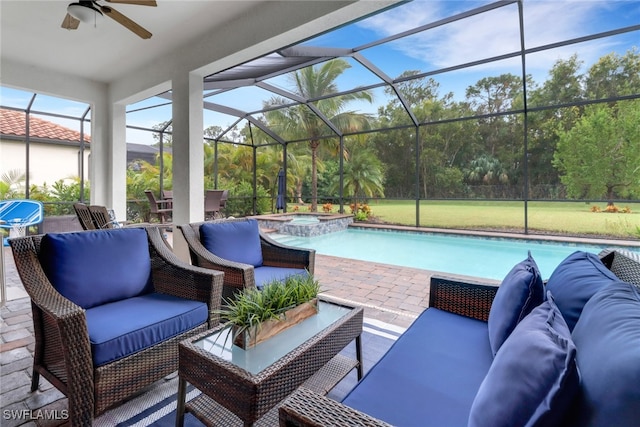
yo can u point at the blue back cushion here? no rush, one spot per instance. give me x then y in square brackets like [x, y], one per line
[237, 241]
[608, 340]
[533, 378]
[575, 280]
[520, 292]
[92, 268]
[430, 375]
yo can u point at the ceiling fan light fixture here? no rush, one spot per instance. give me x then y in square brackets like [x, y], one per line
[84, 12]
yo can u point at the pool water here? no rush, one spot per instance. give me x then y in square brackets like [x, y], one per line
[469, 256]
[302, 220]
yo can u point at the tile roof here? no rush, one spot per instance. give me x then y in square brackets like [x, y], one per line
[13, 123]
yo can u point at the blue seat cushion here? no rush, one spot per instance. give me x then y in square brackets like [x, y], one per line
[237, 241]
[533, 378]
[265, 274]
[575, 280]
[429, 377]
[519, 293]
[608, 340]
[92, 268]
[125, 327]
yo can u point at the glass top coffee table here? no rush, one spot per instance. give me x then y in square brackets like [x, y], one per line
[243, 387]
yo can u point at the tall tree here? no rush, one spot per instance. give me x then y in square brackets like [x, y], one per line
[600, 156]
[614, 75]
[301, 122]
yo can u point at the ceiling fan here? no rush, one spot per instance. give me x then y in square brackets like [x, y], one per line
[89, 10]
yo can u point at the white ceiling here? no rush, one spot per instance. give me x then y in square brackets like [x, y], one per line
[31, 34]
[32, 38]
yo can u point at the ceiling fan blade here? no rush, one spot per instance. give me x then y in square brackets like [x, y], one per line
[126, 22]
[70, 23]
[137, 2]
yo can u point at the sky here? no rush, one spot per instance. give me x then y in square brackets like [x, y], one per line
[485, 35]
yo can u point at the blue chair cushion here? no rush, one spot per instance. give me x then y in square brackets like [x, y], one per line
[237, 241]
[121, 328]
[265, 274]
[430, 375]
[92, 268]
[533, 378]
[608, 340]
[575, 280]
[519, 293]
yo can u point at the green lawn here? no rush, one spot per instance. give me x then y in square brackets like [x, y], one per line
[573, 218]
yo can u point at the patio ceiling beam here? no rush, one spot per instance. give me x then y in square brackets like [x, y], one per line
[230, 111]
[227, 84]
[322, 53]
[243, 115]
[282, 92]
[389, 81]
[302, 101]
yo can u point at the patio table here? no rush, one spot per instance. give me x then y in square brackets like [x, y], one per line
[243, 387]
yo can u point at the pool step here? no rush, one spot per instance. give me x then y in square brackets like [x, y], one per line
[285, 239]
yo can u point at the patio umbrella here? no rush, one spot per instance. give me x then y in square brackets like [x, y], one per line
[281, 190]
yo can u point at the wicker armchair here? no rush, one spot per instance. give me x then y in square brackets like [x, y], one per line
[63, 352]
[238, 276]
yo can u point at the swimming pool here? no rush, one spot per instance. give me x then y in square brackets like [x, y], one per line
[470, 256]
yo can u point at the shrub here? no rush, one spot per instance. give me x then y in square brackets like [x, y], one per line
[327, 207]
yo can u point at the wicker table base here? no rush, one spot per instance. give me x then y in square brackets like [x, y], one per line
[212, 414]
[231, 395]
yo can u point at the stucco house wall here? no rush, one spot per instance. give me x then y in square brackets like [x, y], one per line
[49, 162]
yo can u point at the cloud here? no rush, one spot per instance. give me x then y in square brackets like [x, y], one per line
[493, 33]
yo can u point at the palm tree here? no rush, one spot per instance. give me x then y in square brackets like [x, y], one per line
[300, 122]
[363, 173]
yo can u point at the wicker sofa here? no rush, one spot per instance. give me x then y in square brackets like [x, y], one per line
[467, 361]
[109, 309]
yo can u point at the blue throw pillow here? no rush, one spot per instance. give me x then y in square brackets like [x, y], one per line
[608, 340]
[237, 241]
[92, 268]
[533, 378]
[575, 280]
[520, 292]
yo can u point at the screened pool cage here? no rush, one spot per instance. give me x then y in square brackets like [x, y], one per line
[422, 104]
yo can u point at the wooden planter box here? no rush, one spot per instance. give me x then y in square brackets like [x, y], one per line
[254, 336]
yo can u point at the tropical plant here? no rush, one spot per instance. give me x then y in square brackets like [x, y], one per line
[240, 202]
[12, 184]
[363, 175]
[300, 122]
[253, 306]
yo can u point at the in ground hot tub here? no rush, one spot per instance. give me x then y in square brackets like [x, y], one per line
[305, 224]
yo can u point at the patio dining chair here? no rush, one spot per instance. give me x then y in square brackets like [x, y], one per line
[159, 208]
[167, 196]
[212, 204]
[84, 216]
[223, 199]
[102, 218]
[249, 258]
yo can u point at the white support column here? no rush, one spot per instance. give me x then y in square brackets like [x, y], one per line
[188, 155]
[117, 194]
[108, 163]
[100, 157]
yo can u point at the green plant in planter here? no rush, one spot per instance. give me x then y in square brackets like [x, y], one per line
[252, 307]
